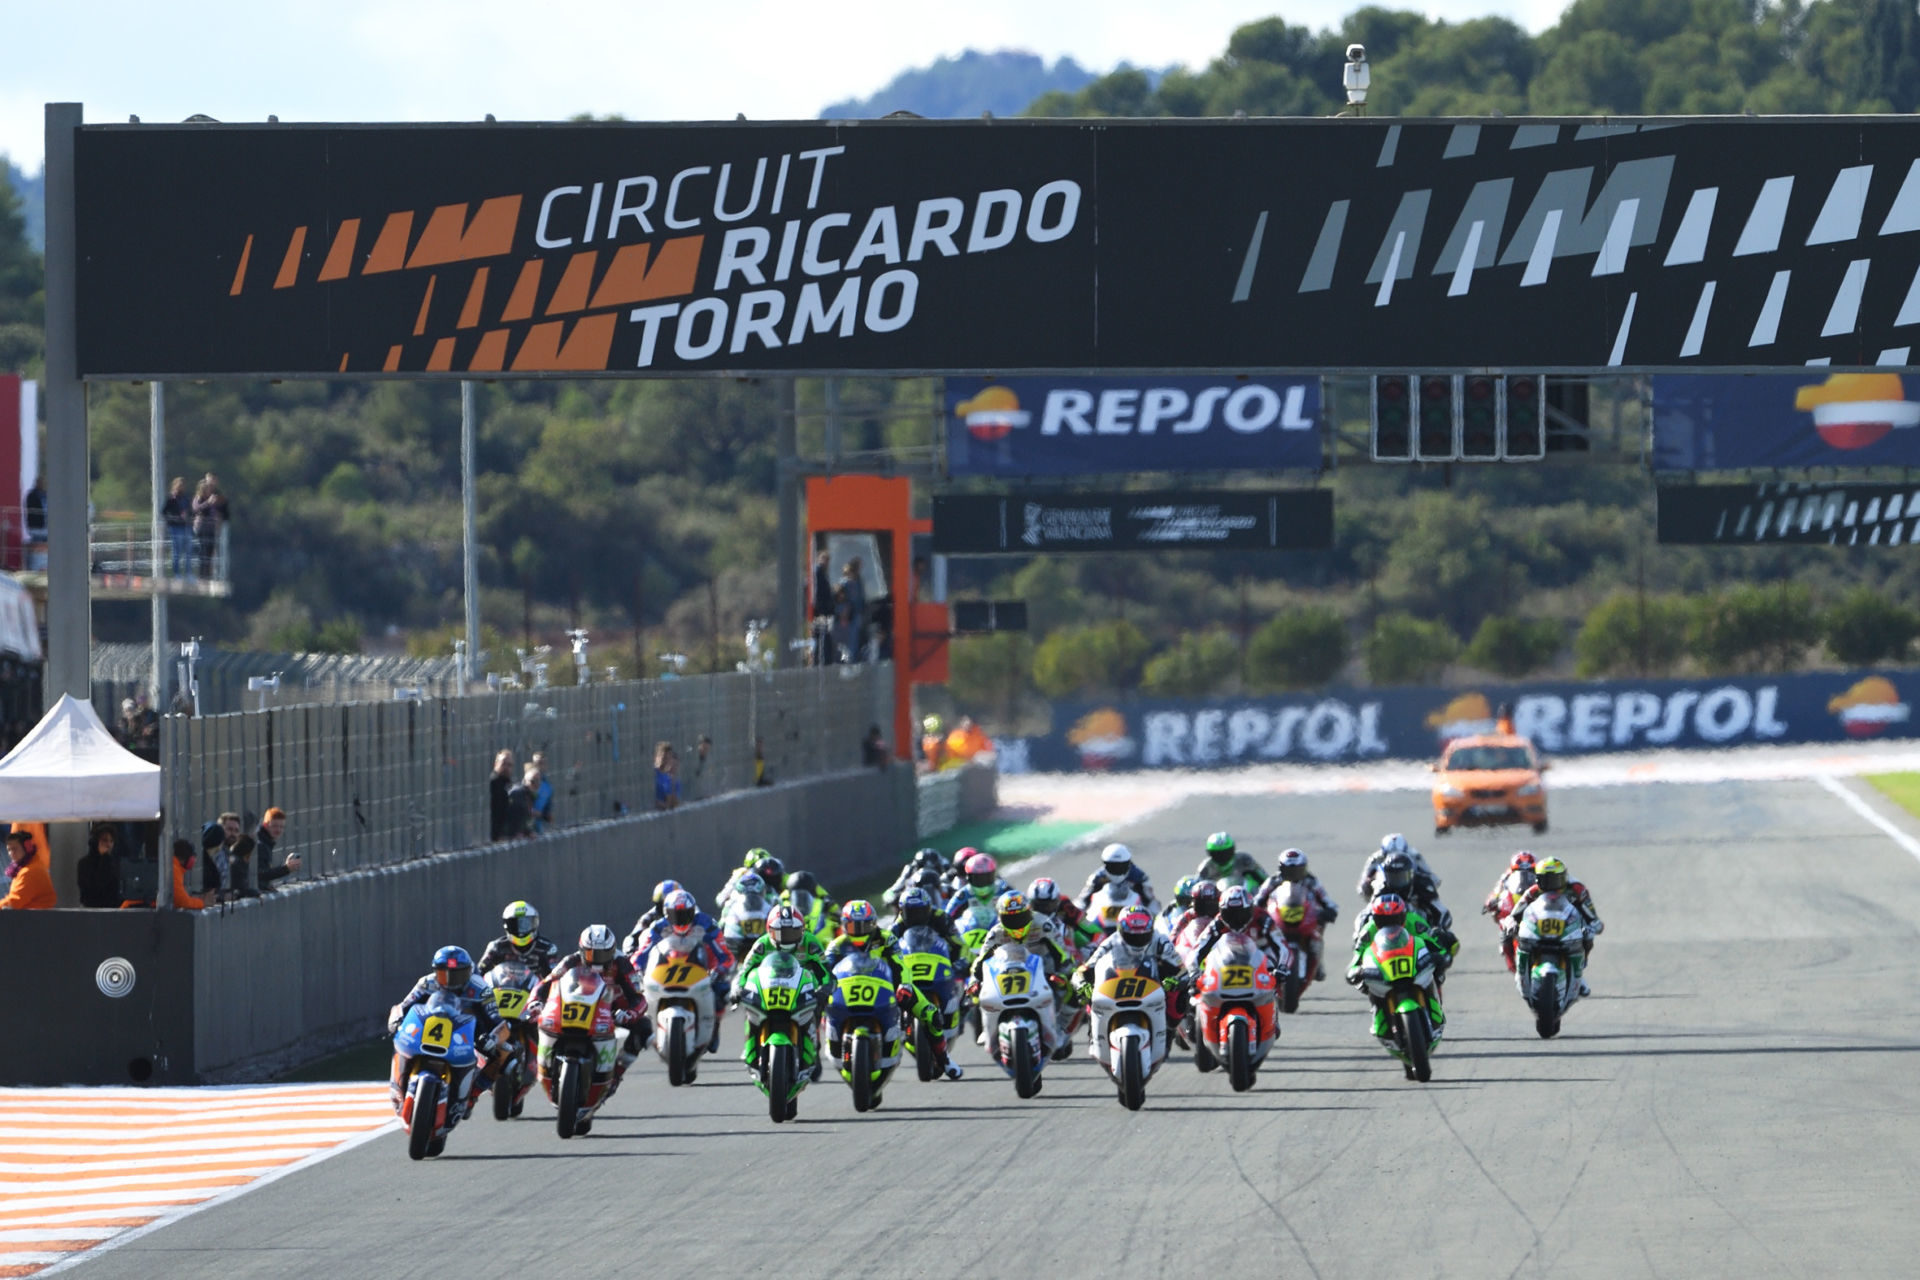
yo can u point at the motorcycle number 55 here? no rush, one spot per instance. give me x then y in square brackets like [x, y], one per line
[438, 1032]
[861, 990]
[777, 998]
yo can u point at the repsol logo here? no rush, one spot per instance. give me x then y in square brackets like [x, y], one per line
[1247, 408]
[1323, 731]
[1635, 718]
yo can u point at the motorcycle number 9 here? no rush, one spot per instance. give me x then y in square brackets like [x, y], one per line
[577, 1013]
[437, 1032]
[1013, 982]
[777, 998]
[1399, 968]
[1549, 926]
[1236, 975]
[861, 990]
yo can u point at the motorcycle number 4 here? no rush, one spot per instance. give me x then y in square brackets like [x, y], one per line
[1013, 982]
[1236, 975]
[437, 1032]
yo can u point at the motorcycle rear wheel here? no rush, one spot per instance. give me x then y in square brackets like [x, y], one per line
[860, 1070]
[1133, 1076]
[1239, 1056]
[426, 1106]
[780, 1072]
[1290, 989]
[1026, 1063]
[1546, 1008]
[567, 1091]
[677, 1053]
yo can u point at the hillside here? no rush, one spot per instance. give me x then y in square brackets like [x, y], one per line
[1003, 83]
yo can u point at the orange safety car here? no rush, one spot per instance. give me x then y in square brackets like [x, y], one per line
[1489, 780]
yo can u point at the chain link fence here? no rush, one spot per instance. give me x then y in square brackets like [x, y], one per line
[126, 671]
[373, 783]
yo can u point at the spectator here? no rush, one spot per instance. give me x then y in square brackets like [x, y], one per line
[520, 804]
[535, 784]
[822, 611]
[666, 781]
[499, 806]
[761, 778]
[30, 887]
[695, 787]
[965, 742]
[183, 860]
[272, 829]
[177, 511]
[140, 729]
[36, 523]
[857, 598]
[873, 749]
[933, 744]
[542, 794]
[210, 515]
[228, 849]
[845, 633]
[99, 870]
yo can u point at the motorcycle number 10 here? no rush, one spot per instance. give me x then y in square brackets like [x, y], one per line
[1399, 968]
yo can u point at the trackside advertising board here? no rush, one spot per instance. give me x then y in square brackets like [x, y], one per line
[1814, 419]
[995, 248]
[1232, 520]
[1841, 515]
[1347, 726]
[1038, 427]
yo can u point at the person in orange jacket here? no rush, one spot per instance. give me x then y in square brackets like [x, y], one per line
[32, 886]
[183, 860]
[966, 741]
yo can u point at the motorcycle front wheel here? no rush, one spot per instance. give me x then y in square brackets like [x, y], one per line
[1239, 1056]
[1546, 1007]
[1418, 1043]
[677, 1052]
[925, 1061]
[567, 1092]
[505, 1086]
[426, 1109]
[860, 1070]
[1133, 1076]
[1026, 1062]
[1290, 989]
[780, 1072]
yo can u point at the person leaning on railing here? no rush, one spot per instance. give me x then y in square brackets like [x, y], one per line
[177, 511]
[273, 828]
[30, 887]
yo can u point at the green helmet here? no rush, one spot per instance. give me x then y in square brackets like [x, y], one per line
[1183, 891]
[753, 856]
[1220, 847]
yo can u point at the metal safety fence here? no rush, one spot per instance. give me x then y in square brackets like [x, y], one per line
[126, 671]
[367, 784]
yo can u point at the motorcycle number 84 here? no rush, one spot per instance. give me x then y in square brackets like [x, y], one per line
[859, 990]
[1550, 926]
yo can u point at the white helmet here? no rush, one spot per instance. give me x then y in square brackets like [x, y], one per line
[597, 944]
[1394, 842]
[1116, 858]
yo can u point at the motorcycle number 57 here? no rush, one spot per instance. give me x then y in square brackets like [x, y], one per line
[576, 1014]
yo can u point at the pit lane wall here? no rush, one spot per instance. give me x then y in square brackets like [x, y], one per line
[1341, 726]
[239, 992]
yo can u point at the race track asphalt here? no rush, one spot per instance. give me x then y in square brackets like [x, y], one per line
[1741, 1097]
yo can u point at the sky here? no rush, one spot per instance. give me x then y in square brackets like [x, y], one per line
[414, 60]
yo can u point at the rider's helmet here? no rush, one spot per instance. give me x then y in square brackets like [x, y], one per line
[804, 882]
[1117, 860]
[1522, 861]
[962, 856]
[927, 881]
[983, 873]
[1043, 895]
[1220, 849]
[680, 910]
[1206, 899]
[1016, 914]
[858, 923]
[770, 870]
[1236, 908]
[785, 927]
[661, 890]
[1183, 891]
[1394, 842]
[916, 907]
[1293, 866]
[750, 886]
[1136, 927]
[928, 857]
[754, 855]
[1396, 874]
[930, 724]
[1551, 876]
[521, 922]
[597, 945]
[452, 968]
[1389, 911]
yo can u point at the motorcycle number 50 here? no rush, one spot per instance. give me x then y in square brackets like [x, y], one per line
[437, 1033]
[861, 990]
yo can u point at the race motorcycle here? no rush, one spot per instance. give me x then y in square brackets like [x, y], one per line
[579, 1044]
[1234, 1011]
[1129, 1032]
[1550, 930]
[1014, 999]
[1398, 969]
[863, 1022]
[926, 963]
[686, 1017]
[513, 984]
[744, 923]
[1296, 920]
[1500, 907]
[1114, 899]
[973, 924]
[780, 1000]
[433, 1063]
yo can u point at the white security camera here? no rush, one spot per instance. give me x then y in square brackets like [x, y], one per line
[1356, 53]
[1358, 77]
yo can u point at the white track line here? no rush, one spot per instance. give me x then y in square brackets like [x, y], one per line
[1847, 797]
[175, 1214]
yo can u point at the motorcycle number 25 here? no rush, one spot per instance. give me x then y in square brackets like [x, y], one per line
[438, 1032]
[1236, 975]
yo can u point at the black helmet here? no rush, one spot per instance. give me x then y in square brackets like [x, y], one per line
[927, 880]
[1293, 866]
[1396, 874]
[1236, 908]
[773, 872]
[916, 907]
[1206, 899]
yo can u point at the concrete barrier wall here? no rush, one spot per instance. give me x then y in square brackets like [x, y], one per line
[295, 974]
[955, 796]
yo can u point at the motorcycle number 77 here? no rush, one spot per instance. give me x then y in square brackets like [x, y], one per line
[1013, 982]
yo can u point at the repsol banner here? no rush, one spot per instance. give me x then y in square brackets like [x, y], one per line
[995, 248]
[1348, 726]
[1814, 419]
[1038, 426]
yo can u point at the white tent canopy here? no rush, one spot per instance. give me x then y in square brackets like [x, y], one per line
[69, 769]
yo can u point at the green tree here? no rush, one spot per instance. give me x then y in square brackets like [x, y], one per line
[1300, 648]
[1514, 647]
[1104, 657]
[1198, 663]
[23, 295]
[1865, 628]
[989, 673]
[1403, 649]
[1633, 634]
[1755, 628]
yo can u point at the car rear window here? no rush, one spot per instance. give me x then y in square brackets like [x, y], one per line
[1490, 758]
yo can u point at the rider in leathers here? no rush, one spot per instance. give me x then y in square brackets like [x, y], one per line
[1018, 926]
[1550, 876]
[1399, 873]
[1514, 881]
[924, 860]
[1236, 916]
[453, 974]
[1225, 862]
[1391, 843]
[694, 932]
[1116, 863]
[1293, 870]
[1137, 948]
[522, 943]
[1388, 910]
[916, 912]
[597, 951]
[649, 917]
